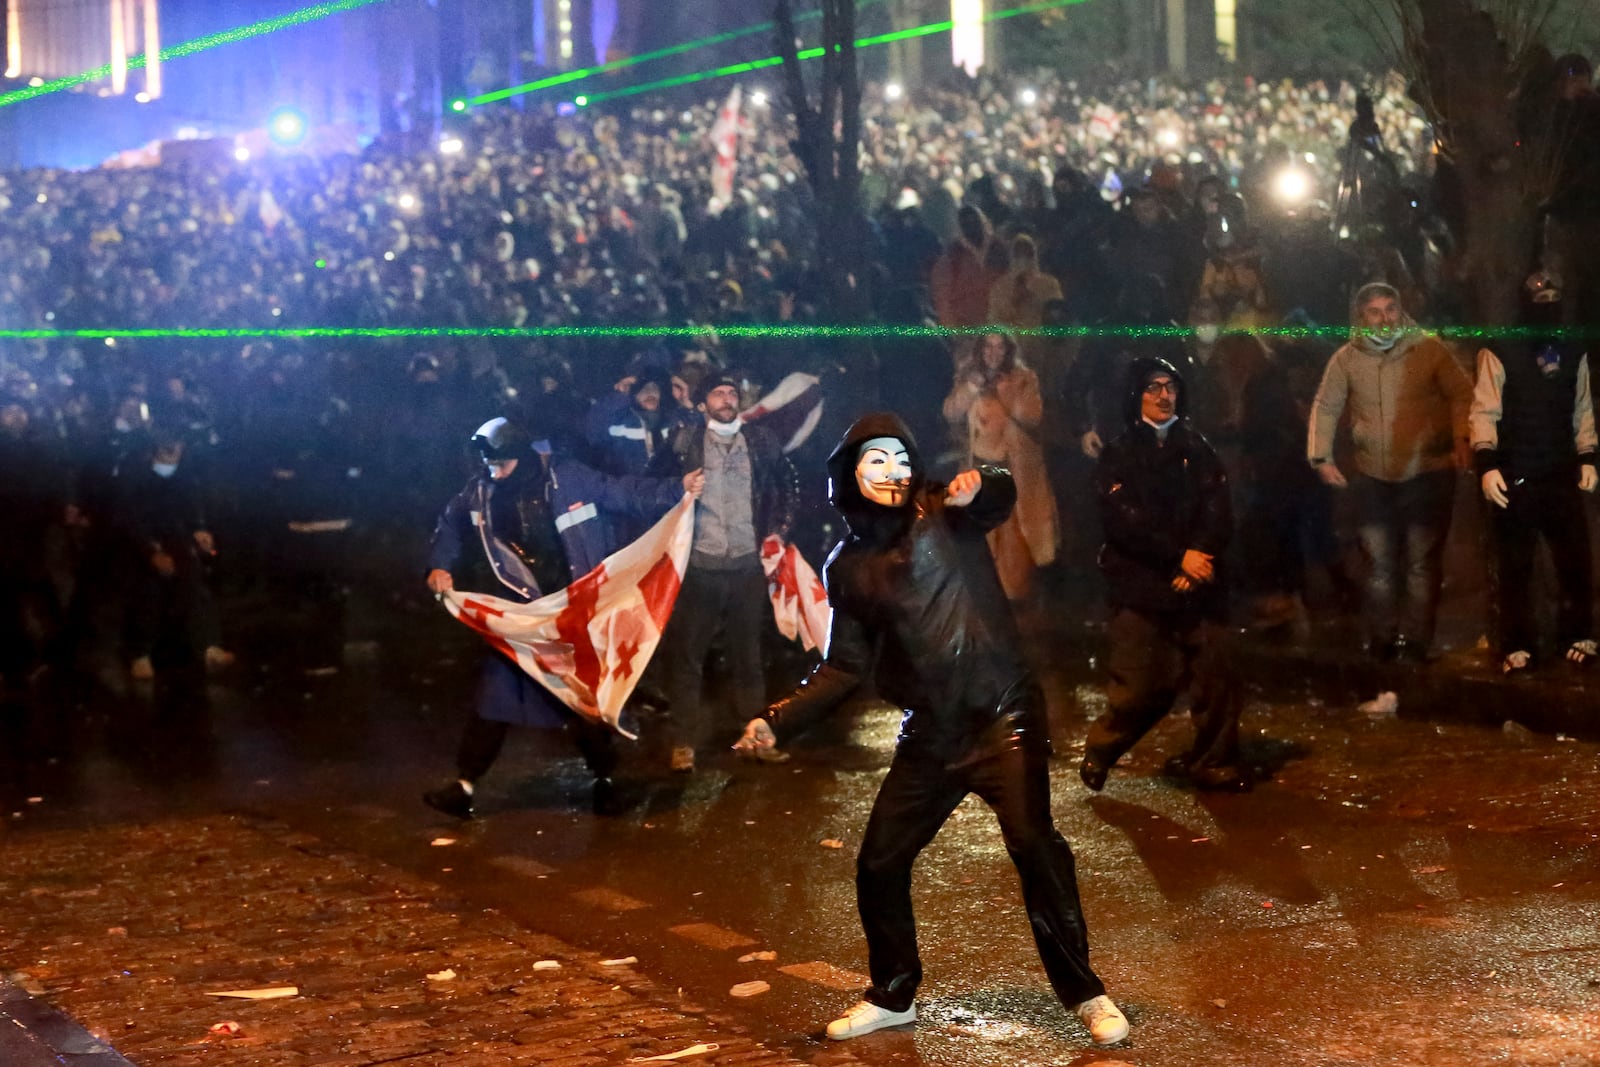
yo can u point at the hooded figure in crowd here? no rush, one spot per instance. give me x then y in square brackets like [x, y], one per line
[1408, 400]
[917, 605]
[1164, 505]
[1533, 440]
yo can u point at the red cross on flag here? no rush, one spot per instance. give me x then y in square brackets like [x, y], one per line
[588, 643]
[799, 599]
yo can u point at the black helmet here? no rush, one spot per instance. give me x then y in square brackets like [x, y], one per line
[501, 439]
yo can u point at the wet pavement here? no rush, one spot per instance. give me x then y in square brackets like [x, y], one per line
[1402, 891]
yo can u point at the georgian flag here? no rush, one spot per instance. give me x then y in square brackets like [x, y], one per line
[588, 643]
[799, 599]
[791, 410]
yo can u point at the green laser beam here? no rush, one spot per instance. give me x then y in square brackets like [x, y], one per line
[925, 30]
[189, 48]
[568, 77]
[783, 331]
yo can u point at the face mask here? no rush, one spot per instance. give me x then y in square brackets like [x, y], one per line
[164, 470]
[1207, 333]
[883, 471]
[1383, 338]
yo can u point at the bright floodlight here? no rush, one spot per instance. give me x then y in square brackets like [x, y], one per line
[1168, 137]
[1028, 97]
[407, 202]
[242, 154]
[581, 101]
[287, 126]
[893, 91]
[1292, 185]
[758, 99]
[451, 146]
[458, 105]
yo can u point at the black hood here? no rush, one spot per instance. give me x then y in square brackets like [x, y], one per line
[1139, 373]
[844, 494]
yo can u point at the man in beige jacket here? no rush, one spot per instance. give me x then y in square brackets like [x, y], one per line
[1408, 400]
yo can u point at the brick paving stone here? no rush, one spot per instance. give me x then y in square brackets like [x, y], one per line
[127, 927]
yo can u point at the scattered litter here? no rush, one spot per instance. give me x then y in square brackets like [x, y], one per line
[440, 842]
[117, 931]
[749, 989]
[1515, 729]
[1436, 869]
[271, 992]
[622, 962]
[754, 957]
[1385, 703]
[36, 800]
[446, 975]
[1198, 840]
[831, 842]
[1266, 903]
[547, 965]
[692, 1050]
[229, 1028]
[1558, 885]
[1219, 1002]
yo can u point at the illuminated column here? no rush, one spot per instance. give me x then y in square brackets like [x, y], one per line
[1177, 35]
[13, 40]
[1227, 30]
[966, 34]
[152, 50]
[119, 50]
[564, 31]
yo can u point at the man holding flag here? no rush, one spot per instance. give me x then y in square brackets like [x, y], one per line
[536, 528]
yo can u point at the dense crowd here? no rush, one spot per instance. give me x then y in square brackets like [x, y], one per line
[1017, 204]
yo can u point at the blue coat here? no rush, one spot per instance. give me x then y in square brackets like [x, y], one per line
[586, 505]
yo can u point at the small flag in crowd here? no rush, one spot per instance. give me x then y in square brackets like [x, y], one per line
[588, 643]
[799, 599]
[791, 410]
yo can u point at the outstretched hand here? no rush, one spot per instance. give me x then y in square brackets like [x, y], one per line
[694, 483]
[963, 489]
[758, 736]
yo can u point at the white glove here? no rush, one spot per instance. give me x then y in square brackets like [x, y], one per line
[1587, 478]
[1494, 487]
[1092, 445]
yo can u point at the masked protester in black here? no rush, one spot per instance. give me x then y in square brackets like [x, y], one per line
[1164, 507]
[917, 603]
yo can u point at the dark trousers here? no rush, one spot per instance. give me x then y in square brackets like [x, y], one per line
[732, 605]
[484, 738]
[1552, 509]
[917, 797]
[178, 605]
[1153, 660]
[1403, 526]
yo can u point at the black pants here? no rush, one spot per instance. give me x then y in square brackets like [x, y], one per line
[729, 604]
[1552, 509]
[917, 797]
[1152, 661]
[483, 739]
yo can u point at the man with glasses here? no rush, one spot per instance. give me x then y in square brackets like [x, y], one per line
[1164, 507]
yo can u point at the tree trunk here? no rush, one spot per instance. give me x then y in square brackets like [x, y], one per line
[828, 144]
[1471, 84]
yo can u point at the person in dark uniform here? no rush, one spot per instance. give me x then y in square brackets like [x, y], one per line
[1167, 519]
[917, 604]
[526, 526]
[1533, 439]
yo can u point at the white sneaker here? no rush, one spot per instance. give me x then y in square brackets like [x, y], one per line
[866, 1017]
[1105, 1022]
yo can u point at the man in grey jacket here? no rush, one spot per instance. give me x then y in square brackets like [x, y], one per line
[1408, 399]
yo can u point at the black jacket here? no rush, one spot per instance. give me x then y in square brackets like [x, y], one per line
[1158, 500]
[772, 477]
[918, 606]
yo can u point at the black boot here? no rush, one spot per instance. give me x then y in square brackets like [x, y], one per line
[607, 797]
[451, 799]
